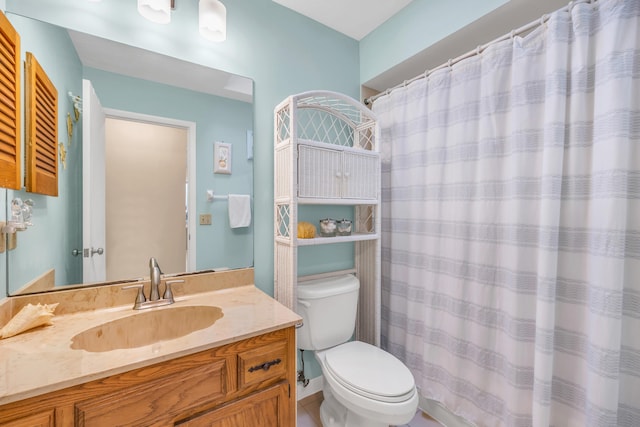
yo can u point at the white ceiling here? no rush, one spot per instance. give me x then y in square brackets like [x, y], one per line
[355, 18]
[123, 59]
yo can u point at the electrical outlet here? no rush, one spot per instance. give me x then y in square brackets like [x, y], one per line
[205, 219]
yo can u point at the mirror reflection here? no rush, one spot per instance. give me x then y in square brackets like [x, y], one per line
[152, 179]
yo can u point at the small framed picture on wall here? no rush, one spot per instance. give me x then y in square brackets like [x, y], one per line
[222, 158]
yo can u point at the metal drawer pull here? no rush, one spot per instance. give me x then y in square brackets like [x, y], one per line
[265, 366]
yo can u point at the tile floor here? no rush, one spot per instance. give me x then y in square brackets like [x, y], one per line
[309, 414]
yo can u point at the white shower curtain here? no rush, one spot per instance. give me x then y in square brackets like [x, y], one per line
[511, 225]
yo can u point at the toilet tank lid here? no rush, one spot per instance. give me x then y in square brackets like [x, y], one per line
[322, 288]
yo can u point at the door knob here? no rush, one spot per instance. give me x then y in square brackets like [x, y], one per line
[98, 251]
[86, 253]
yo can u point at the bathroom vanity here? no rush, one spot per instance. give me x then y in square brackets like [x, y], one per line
[239, 371]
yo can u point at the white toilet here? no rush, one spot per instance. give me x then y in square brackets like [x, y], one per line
[364, 386]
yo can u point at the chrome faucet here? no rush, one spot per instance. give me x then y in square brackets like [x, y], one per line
[154, 293]
[155, 274]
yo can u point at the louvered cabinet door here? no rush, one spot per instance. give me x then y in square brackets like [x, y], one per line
[9, 105]
[41, 130]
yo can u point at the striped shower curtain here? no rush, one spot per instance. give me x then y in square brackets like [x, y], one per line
[511, 225]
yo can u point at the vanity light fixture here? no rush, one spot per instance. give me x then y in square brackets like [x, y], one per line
[158, 11]
[213, 20]
[212, 16]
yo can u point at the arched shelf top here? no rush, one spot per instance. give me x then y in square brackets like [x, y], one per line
[348, 109]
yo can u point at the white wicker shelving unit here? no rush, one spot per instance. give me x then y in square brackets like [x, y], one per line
[326, 153]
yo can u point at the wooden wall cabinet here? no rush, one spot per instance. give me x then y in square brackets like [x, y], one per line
[41, 130]
[10, 125]
[247, 383]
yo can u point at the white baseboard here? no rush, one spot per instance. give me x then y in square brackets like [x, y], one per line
[314, 386]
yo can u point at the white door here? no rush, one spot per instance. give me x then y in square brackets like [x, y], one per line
[146, 170]
[93, 187]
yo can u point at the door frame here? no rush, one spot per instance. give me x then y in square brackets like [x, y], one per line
[190, 127]
[93, 184]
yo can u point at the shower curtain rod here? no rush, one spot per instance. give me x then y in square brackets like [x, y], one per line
[477, 51]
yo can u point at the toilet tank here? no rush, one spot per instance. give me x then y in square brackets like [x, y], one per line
[328, 309]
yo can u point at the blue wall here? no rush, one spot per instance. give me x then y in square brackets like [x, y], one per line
[217, 119]
[415, 28]
[56, 232]
[57, 221]
[282, 51]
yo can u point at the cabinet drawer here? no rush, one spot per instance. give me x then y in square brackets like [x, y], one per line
[154, 400]
[262, 363]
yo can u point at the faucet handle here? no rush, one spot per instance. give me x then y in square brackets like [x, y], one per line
[140, 298]
[168, 294]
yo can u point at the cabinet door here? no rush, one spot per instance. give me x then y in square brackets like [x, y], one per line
[361, 176]
[42, 419]
[319, 172]
[267, 408]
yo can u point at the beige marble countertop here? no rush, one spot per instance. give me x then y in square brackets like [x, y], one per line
[41, 360]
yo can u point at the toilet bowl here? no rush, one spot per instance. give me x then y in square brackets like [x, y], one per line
[363, 386]
[374, 388]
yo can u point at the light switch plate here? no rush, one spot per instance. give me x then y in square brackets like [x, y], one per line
[205, 219]
[249, 144]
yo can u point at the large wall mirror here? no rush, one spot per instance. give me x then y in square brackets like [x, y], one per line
[162, 118]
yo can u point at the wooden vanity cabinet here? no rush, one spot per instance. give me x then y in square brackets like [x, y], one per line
[246, 383]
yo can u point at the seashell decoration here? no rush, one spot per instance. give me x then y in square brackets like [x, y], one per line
[29, 317]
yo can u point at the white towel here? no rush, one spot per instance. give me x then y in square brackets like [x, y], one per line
[239, 210]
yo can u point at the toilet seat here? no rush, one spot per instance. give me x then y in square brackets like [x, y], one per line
[370, 372]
